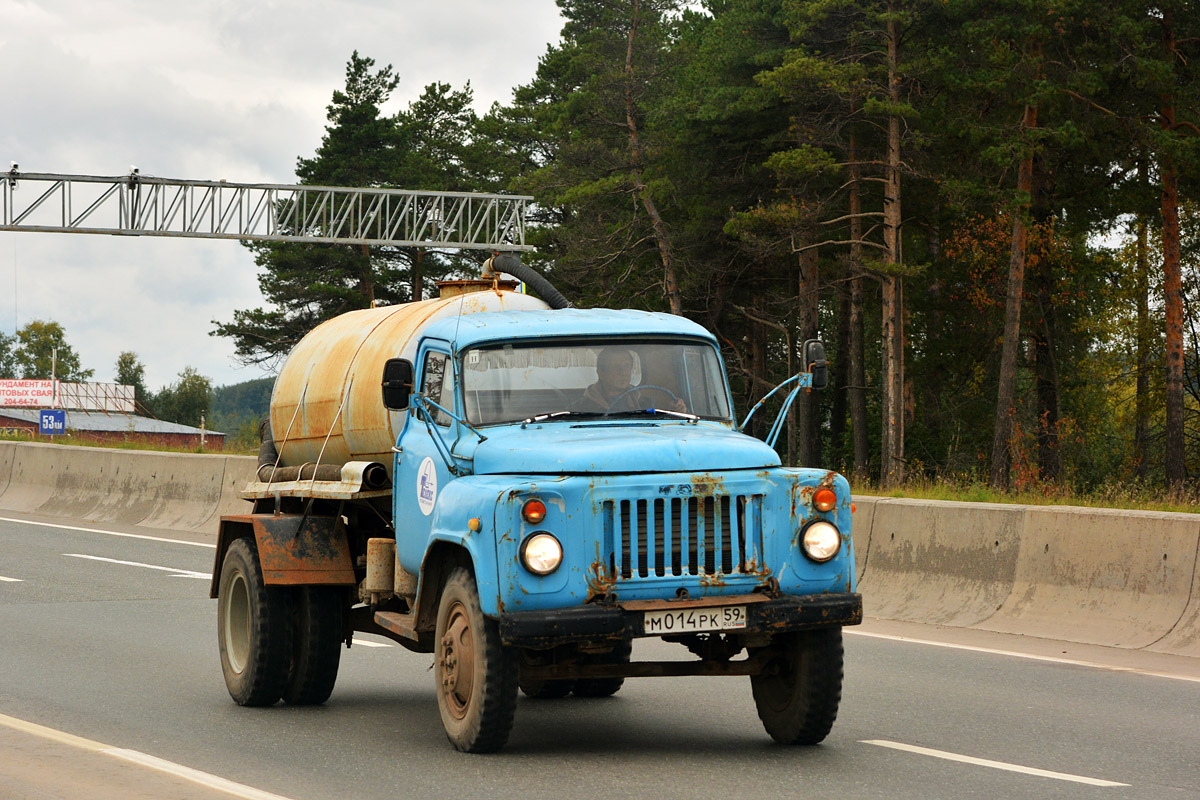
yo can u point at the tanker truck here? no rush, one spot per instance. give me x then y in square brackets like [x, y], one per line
[521, 489]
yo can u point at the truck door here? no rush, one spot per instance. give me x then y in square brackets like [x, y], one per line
[420, 471]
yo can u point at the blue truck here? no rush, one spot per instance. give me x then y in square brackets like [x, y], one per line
[523, 489]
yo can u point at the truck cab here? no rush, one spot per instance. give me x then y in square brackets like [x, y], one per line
[563, 482]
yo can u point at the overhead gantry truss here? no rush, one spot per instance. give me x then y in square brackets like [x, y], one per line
[139, 205]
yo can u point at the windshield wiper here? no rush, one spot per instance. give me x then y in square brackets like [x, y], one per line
[654, 411]
[557, 414]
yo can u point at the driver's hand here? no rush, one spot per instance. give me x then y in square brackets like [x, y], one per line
[680, 406]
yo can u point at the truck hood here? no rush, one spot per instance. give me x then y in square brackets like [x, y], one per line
[562, 448]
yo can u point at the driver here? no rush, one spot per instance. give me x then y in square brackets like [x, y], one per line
[614, 373]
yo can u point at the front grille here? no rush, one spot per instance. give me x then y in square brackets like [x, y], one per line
[678, 536]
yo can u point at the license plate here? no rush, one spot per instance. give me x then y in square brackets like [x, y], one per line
[694, 620]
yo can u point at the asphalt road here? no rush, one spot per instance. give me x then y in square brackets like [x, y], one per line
[113, 638]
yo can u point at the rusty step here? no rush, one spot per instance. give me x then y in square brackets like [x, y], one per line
[402, 625]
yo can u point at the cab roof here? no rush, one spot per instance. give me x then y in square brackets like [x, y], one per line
[468, 330]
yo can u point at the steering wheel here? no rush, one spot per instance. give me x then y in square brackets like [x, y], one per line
[611, 406]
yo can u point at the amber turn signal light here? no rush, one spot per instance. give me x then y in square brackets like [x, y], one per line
[534, 511]
[824, 499]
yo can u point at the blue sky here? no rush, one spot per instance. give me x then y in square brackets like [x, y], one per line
[205, 90]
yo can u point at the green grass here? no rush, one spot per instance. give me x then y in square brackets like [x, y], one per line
[230, 449]
[1127, 494]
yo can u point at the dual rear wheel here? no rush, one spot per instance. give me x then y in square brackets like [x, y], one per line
[275, 642]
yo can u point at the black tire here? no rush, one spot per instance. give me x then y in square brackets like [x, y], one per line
[254, 632]
[317, 636]
[475, 675]
[797, 696]
[604, 687]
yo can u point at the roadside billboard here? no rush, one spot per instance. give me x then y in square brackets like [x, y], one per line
[111, 397]
[27, 394]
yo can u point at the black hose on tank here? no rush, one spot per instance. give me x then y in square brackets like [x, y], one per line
[267, 454]
[507, 262]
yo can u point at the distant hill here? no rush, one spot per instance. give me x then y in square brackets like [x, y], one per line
[240, 406]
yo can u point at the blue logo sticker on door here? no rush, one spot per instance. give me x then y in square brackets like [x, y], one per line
[426, 486]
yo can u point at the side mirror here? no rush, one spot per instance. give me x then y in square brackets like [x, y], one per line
[812, 358]
[397, 383]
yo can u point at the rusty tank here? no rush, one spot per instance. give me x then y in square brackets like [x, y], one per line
[327, 404]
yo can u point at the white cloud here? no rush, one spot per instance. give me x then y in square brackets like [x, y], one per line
[204, 90]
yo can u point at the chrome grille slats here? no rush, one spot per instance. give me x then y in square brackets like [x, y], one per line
[700, 536]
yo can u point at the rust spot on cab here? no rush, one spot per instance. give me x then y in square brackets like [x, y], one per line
[600, 584]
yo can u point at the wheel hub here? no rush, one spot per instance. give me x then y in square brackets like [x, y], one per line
[237, 623]
[456, 657]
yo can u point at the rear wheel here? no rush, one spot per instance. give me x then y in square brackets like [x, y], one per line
[253, 629]
[475, 674]
[797, 696]
[317, 637]
[604, 687]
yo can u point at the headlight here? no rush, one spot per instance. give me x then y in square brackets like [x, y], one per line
[541, 553]
[820, 540]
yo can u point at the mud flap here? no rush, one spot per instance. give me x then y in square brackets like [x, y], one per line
[293, 549]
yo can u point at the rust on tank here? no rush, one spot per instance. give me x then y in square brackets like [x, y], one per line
[326, 399]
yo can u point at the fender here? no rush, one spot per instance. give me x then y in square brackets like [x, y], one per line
[293, 549]
[464, 499]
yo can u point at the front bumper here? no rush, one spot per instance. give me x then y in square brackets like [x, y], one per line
[592, 622]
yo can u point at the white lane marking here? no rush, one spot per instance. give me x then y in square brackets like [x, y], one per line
[1027, 656]
[10, 580]
[983, 762]
[109, 533]
[178, 573]
[365, 643]
[193, 775]
[133, 756]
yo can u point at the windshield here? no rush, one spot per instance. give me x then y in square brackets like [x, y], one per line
[611, 376]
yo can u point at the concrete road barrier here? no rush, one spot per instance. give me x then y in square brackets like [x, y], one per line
[1116, 578]
[1184, 638]
[864, 515]
[1100, 576]
[6, 461]
[180, 491]
[237, 472]
[33, 475]
[184, 489]
[944, 563]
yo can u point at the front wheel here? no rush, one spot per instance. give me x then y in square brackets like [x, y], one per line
[253, 629]
[798, 693]
[475, 674]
